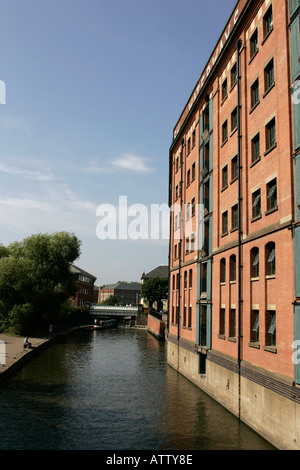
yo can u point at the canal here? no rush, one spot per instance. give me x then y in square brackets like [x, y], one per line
[112, 390]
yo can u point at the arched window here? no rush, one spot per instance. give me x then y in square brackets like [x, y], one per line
[191, 278]
[270, 259]
[185, 279]
[232, 265]
[223, 270]
[254, 262]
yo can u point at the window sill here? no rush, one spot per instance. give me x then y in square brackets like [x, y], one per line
[256, 218]
[225, 142]
[254, 107]
[269, 150]
[233, 86]
[233, 131]
[255, 161]
[253, 56]
[234, 229]
[269, 89]
[224, 187]
[232, 282]
[234, 179]
[271, 349]
[224, 99]
[270, 211]
[222, 337]
[232, 339]
[270, 276]
[267, 35]
[224, 234]
[254, 279]
[254, 345]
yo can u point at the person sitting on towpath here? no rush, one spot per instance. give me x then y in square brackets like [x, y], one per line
[26, 343]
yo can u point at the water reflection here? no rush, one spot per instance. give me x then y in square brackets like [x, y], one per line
[113, 390]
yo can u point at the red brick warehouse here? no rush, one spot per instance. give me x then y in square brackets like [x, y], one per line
[234, 297]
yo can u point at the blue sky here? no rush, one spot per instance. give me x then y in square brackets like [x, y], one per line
[93, 91]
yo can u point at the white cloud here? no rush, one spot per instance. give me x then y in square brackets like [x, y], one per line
[28, 174]
[127, 162]
[133, 163]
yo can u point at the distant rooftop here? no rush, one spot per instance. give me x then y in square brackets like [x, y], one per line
[122, 286]
[76, 270]
[161, 271]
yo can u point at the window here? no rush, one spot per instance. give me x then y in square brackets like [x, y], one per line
[177, 281]
[232, 268]
[190, 317]
[225, 177]
[173, 281]
[224, 89]
[173, 314]
[193, 207]
[203, 323]
[188, 178]
[232, 327]
[176, 192]
[177, 163]
[234, 217]
[225, 223]
[223, 270]
[224, 132]
[268, 22]
[194, 138]
[254, 321]
[190, 278]
[185, 279]
[270, 259]
[188, 211]
[187, 245]
[234, 168]
[222, 322]
[206, 119]
[269, 75]
[255, 93]
[175, 253]
[270, 328]
[253, 44]
[233, 75]
[203, 277]
[272, 195]
[192, 243]
[270, 135]
[189, 145]
[206, 156]
[184, 316]
[256, 204]
[234, 120]
[254, 260]
[193, 171]
[206, 195]
[255, 148]
[177, 315]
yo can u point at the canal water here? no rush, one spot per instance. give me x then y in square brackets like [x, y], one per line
[113, 390]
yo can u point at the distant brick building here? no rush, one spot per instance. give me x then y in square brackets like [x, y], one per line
[161, 271]
[126, 293]
[85, 287]
[234, 313]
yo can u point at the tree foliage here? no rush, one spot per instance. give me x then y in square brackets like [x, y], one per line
[155, 290]
[111, 300]
[35, 279]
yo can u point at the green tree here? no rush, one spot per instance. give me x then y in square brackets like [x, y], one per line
[111, 300]
[155, 290]
[35, 279]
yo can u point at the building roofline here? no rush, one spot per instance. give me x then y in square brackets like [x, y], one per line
[211, 65]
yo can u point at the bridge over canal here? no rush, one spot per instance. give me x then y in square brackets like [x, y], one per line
[101, 311]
